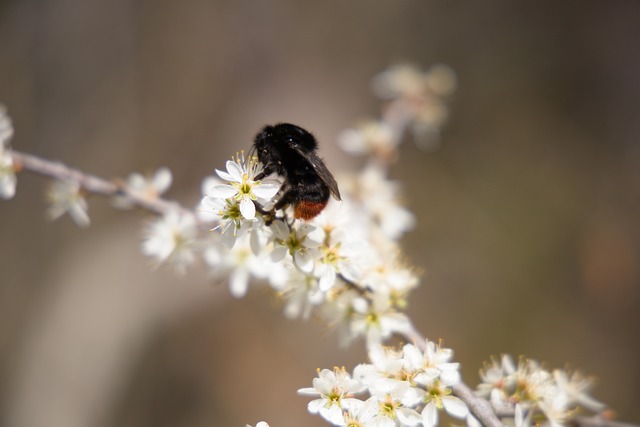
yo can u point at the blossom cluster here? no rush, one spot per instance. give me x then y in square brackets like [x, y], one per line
[345, 262]
[417, 101]
[405, 387]
[344, 265]
[541, 396]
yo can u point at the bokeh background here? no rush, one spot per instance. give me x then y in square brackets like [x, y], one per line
[528, 215]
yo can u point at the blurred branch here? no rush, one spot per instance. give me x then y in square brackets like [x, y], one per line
[93, 184]
[478, 406]
[598, 421]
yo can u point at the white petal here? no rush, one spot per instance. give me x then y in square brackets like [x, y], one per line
[455, 407]
[333, 414]
[278, 253]
[368, 409]
[136, 181]
[78, 211]
[430, 415]
[255, 243]
[208, 183]
[266, 190]
[381, 421]
[427, 377]
[327, 278]
[408, 417]
[235, 170]
[239, 282]
[315, 405]
[229, 235]
[247, 208]
[223, 191]
[352, 141]
[450, 377]
[8, 186]
[308, 390]
[303, 261]
[224, 175]
[473, 421]
[162, 180]
[413, 356]
[279, 229]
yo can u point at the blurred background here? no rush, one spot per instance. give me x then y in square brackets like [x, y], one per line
[528, 215]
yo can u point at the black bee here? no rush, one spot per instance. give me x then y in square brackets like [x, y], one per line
[291, 152]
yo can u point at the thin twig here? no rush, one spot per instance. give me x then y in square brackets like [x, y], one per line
[93, 184]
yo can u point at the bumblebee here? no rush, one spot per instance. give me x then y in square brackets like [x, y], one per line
[291, 152]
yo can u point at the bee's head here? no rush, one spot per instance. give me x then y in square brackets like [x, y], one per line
[272, 143]
[294, 136]
[263, 145]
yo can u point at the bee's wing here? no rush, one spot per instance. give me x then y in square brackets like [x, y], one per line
[321, 170]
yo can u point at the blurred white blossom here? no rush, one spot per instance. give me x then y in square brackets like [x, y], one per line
[374, 138]
[7, 174]
[6, 126]
[148, 187]
[555, 396]
[7, 168]
[68, 197]
[171, 238]
[419, 99]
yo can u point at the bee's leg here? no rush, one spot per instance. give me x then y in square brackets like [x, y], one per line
[291, 196]
[268, 170]
[267, 215]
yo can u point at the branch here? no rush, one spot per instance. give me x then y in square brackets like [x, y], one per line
[93, 184]
[598, 421]
[478, 406]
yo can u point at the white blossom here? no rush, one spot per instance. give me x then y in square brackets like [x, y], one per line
[171, 238]
[300, 242]
[367, 413]
[231, 204]
[551, 396]
[7, 174]
[7, 168]
[376, 138]
[379, 199]
[301, 294]
[148, 187]
[242, 188]
[6, 127]
[576, 388]
[391, 396]
[68, 197]
[335, 390]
